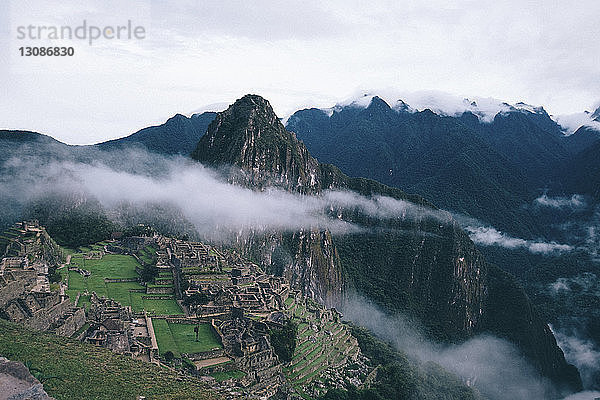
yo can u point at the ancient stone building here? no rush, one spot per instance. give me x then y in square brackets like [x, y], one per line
[25, 295]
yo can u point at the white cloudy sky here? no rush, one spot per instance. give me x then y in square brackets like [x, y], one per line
[294, 53]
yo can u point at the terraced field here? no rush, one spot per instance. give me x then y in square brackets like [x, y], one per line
[319, 346]
[116, 266]
[181, 338]
[147, 255]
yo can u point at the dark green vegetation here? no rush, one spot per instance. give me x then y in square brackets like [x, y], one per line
[509, 313]
[492, 171]
[181, 338]
[280, 159]
[486, 170]
[457, 162]
[436, 157]
[28, 158]
[393, 288]
[178, 135]
[582, 174]
[72, 222]
[399, 378]
[514, 316]
[79, 220]
[283, 340]
[88, 372]
[196, 299]
[577, 306]
[149, 270]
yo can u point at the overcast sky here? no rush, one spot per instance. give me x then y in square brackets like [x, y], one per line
[294, 53]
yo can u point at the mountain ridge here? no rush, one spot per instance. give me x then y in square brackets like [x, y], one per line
[177, 135]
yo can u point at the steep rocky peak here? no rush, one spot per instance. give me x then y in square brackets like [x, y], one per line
[402, 106]
[377, 103]
[250, 136]
[596, 114]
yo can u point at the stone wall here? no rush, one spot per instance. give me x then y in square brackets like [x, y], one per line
[11, 291]
[204, 355]
[159, 289]
[154, 297]
[44, 318]
[72, 323]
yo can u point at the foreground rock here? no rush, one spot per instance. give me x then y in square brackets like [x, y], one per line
[16, 382]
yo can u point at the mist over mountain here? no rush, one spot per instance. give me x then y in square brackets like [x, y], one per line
[420, 152]
[484, 165]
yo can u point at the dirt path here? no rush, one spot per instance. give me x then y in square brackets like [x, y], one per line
[210, 361]
[66, 262]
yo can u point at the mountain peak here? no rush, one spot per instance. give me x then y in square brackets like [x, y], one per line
[377, 103]
[252, 99]
[250, 136]
[251, 103]
[596, 115]
[402, 106]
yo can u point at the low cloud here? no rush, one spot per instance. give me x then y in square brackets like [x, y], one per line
[575, 201]
[586, 282]
[492, 365]
[587, 395]
[583, 353]
[571, 122]
[489, 236]
[381, 207]
[136, 180]
[485, 108]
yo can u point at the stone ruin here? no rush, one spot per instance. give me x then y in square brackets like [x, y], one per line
[247, 341]
[25, 295]
[115, 327]
[243, 302]
[17, 383]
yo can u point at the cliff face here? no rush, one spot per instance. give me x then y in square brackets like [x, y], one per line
[421, 264]
[307, 258]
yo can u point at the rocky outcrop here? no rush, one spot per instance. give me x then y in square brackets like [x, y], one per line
[17, 383]
[249, 136]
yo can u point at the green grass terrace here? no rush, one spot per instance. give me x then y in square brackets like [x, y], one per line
[116, 266]
[181, 338]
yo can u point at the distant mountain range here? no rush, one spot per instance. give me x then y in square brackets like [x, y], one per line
[482, 165]
[487, 170]
[178, 135]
